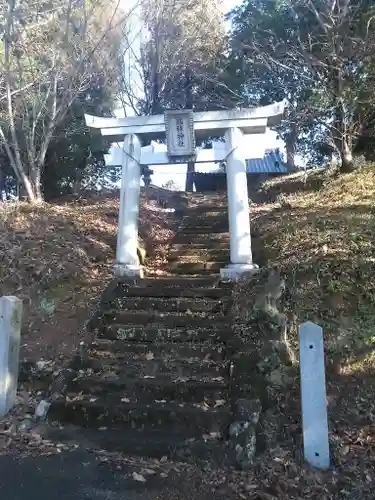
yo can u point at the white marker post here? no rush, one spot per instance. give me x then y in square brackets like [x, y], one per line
[313, 396]
[10, 339]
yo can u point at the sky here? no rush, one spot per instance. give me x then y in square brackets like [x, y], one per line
[177, 173]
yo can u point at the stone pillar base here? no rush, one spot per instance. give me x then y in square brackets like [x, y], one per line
[128, 270]
[237, 271]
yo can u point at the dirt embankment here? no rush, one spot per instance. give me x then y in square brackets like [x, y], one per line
[59, 257]
[319, 232]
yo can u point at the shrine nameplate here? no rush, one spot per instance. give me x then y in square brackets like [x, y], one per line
[179, 125]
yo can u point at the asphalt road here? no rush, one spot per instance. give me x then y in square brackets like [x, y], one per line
[68, 476]
[80, 475]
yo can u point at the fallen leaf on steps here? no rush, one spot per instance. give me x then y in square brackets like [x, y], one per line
[149, 471]
[219, 402]
[345, 450]
[138, 477]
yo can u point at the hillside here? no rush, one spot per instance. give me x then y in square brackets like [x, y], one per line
[320, 233]
[59, 257]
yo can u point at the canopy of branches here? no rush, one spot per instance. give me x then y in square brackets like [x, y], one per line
[320, 55]
[54, 54]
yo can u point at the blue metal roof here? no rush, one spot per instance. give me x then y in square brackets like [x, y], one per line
[271, 163]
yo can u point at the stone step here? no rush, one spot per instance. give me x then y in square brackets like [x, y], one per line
[196, 267]
[142, 442]
[209, 246]
[107, 411]
[152, 360]
[207, 239]
[203, 219]
[152, 333]
[207, 210]
[210, 392]
[205, 229]
[175, 291]
[109, 349]
[206, 196]
[171, 320]
[171, 281]
[202, 255]
[136, 367]
[173, 304]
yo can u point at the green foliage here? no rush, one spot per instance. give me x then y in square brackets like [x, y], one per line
[76, 152]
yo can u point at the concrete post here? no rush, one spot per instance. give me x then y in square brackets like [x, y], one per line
[313, 395]
[241, 260]
[10, 337]
[127, 263]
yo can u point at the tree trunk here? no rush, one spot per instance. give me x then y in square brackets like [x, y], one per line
[76, 188]
[346, 157]
[2, 184]
[27, 191]
[35, 180]
[290, 147]
[155, 105]
[341, 133]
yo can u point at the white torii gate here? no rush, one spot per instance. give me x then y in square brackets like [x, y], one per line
[181, 128]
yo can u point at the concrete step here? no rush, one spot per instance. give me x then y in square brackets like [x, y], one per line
[215, 332]
[196, 267]
[109, 411]
[173, 304]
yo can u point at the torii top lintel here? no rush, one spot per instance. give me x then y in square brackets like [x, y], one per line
[206, 123]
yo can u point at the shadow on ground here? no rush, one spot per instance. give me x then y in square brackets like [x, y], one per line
[85, 476]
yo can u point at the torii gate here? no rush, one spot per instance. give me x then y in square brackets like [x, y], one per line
[181, 128]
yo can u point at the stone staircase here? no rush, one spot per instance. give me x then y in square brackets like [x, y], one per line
[202, 245]
[156, 379]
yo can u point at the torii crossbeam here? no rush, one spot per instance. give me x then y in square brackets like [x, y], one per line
[180, 128]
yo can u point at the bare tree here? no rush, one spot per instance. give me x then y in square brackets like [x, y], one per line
[171, 55]
[51, 53]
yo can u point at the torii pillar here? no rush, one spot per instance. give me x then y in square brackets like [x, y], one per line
[240, 129]
[241, 257]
